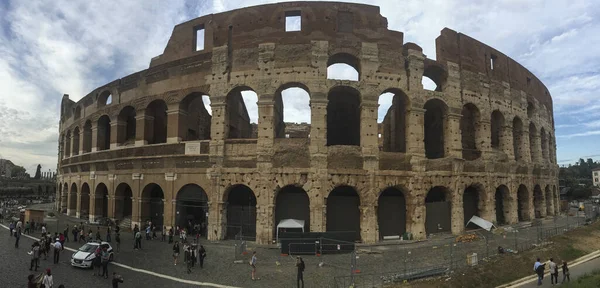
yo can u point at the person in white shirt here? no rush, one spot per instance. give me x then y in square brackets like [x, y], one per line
[44, 229]
[553, 272]
[57, 249]
[48, 281]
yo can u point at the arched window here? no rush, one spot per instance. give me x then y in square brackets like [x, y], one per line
[77, 112]
[391, 120]
[157, 110]
[518, 138]
[343, 66]
[105, 98]
[469, 130]
[87, 137]
[434, 128]
[126, 132]
[67, 145]
[242, 113]
[434, 77]
[544, 143]
[530, 110]
[497, 130]
[76, 141]
[198, 113]
[292, 111]
[343, 116]
[103, 133]
[533, 146]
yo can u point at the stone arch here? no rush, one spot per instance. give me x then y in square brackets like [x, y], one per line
[538, 202]
[191, 208]
[76, 135]
[197, 117]
[241, 212]
[287, 97]
[502, 201]
[438, 214]
[436, 115]
[343, 212]
[292, 202]
[104, 98]
[343, 62]
[391, 120]
[101, 201]
[533, 147]
[239, 119]
[518, 138]
[523, 202]
[84, 204]
[73, 198]
[152, 206]
[343, 116]
[470, 124]
[549, 202]
[474, 200]
[544, 143]
[157, 121]
[436, 73]
[68, 144]
[497, 130]
[126, 131]
[87, 137]
[103, 133]
[530, 109]
[391, 212]
[123, 201]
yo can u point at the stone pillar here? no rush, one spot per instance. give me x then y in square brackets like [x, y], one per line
[176, 124]
[81, 138]
[136, 199]
[484, 136]
[93, 212]
[318, 208]
[452, 136]
[169, 201]
[414, 67]
[219, 128]
[415, 132]
[116, 132]
[143, 128]
[368, 223]
[264, 223]
[457, 213]
[415, 215]
[94, 136]
[111, 207]
[266, 132]
[369, 142]
[506, 140]
[78, 210]
[72, 142]
[221, 225]
[318, 131]
[511, 212]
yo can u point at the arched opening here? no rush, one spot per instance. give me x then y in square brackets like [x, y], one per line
[551, 149]
[77, 112]
[434, 128]
[87, 137]
[156, 121]
[76, 141]
[192, 208]
[241, 212]
[343, 213]
[72, 209]
[343, 116]
[391, 213]
[428, 84]
[391, 120]
[126, 130]
[198, 114]
[242, 113]
[523, 203]
[292, 111]
[152, 208]
[469, 129]
[518, 138]
[544, 143]
[343, 66]
[555, 200]
[434, 77]
[123, 201]
[548, 194]
[84, 204]
[502, 204]
[533, 147]
[292, 202]
[472, 204]
[105, 98]
[101, 201]
[438, 210]
[103, 133]
[538, 202]
[64, 198]
[68, 144]
[530, 110]
[497, 129]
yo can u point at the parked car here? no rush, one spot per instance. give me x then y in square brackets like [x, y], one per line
[84, 256]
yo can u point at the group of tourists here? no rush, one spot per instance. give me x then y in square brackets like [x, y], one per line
[539, 268]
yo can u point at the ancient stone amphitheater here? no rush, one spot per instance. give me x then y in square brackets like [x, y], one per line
[145, 147]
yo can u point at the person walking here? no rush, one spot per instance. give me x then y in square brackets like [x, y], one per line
[35, 256]
[57, 248]
[17, 237]
[138, 241]
[201, 255]
[116, 280]
[74, 232]
[97, 262]
[31, 281]
[566, 273]
[163, 235]
[66, 233]
[253, 265]
[43, 228]
[62, 239]
[188, 259]
[171, 235]
[108, 234]
[105, 259]
[11, 228]
[538, 267]
[553, 272]
[27, 227]
[176, 251]
[118, 240]
[48, 281]
[300, 265]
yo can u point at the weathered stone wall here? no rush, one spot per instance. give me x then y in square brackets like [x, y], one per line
[249, 49]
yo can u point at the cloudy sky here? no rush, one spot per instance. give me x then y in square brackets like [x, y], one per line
[49, 48]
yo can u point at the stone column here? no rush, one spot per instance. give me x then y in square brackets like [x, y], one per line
[369, 141]
[143, 128]
[318, 207]
[416, 214]
[176, 124]
[483, 136]
[72, 142]
[457, 213]
[221, 224]
[318, 131]
[81, 138]
[506, 141]
[136, 199]
[78, 210]
[452, 136]
[511, 214]
[266, 132]
[219, 128]
[94, 136]
[368, 223]
[111, 207]
[116, 132]
[415, 131]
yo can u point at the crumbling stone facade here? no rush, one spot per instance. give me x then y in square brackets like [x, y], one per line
[481, 144]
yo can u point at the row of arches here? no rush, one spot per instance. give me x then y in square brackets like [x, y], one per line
[343, 207]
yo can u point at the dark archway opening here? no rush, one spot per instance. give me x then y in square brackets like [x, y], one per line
[152, 205]
[198, 117]
[103, 133]
[157, 122]
[435, 118]
[343, 116]
[87, 137]
[502, 203]
[67, 145]
[123, 201]
[292, 202]
[343, 212]
[471, 198]
[241, 213]
[469, 127]
[101, 201]
[76, 136]
[393, 108]
[64, 202]
[242, 113]
[126, 132]
[538, 201]
[532, 142]
[518, 138]
[391, 214]
[438, 210]
[523, 203]
[73, 199]
[497, 129]
[548, 201]
[84, 204]
[191, 211]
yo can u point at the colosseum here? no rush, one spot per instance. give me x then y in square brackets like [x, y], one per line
[148, 146]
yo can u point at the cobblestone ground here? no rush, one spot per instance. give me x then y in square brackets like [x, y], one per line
[391, 257]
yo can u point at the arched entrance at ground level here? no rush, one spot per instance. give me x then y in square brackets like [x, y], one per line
[123, 201]
[538, 202]
[241, 212]
[192, 208]
[502, 200]
[64, 196]
[73, 198]
[523, 203]
[101, 201]
[391, 213]
[84, 204]
[472, 198]
[549, 201]
[292, 202]
[438, 210]
[152, 205]
[343, 213]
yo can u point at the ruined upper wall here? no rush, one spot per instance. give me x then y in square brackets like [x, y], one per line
[474, 56]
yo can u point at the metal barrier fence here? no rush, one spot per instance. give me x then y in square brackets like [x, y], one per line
[440, 256]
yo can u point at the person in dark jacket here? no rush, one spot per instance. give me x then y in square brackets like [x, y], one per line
[566, 273]
[31, 281]
[176, 251]
[300, 265]
[201, 255]
[116, 280]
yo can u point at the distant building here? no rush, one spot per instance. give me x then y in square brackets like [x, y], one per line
[596, 176]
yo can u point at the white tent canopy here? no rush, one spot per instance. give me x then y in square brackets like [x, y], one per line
[290, 224]
[487, 225]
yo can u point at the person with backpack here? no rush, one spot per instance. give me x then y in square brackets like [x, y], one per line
[300, 265]
[118, 240]
[35, 256]
[553, 272]
[566, 273]
[48, 281]
[538, 267]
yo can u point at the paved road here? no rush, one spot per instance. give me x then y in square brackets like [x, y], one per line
[576, 271]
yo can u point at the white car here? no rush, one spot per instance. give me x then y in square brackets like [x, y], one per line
[85, 254]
